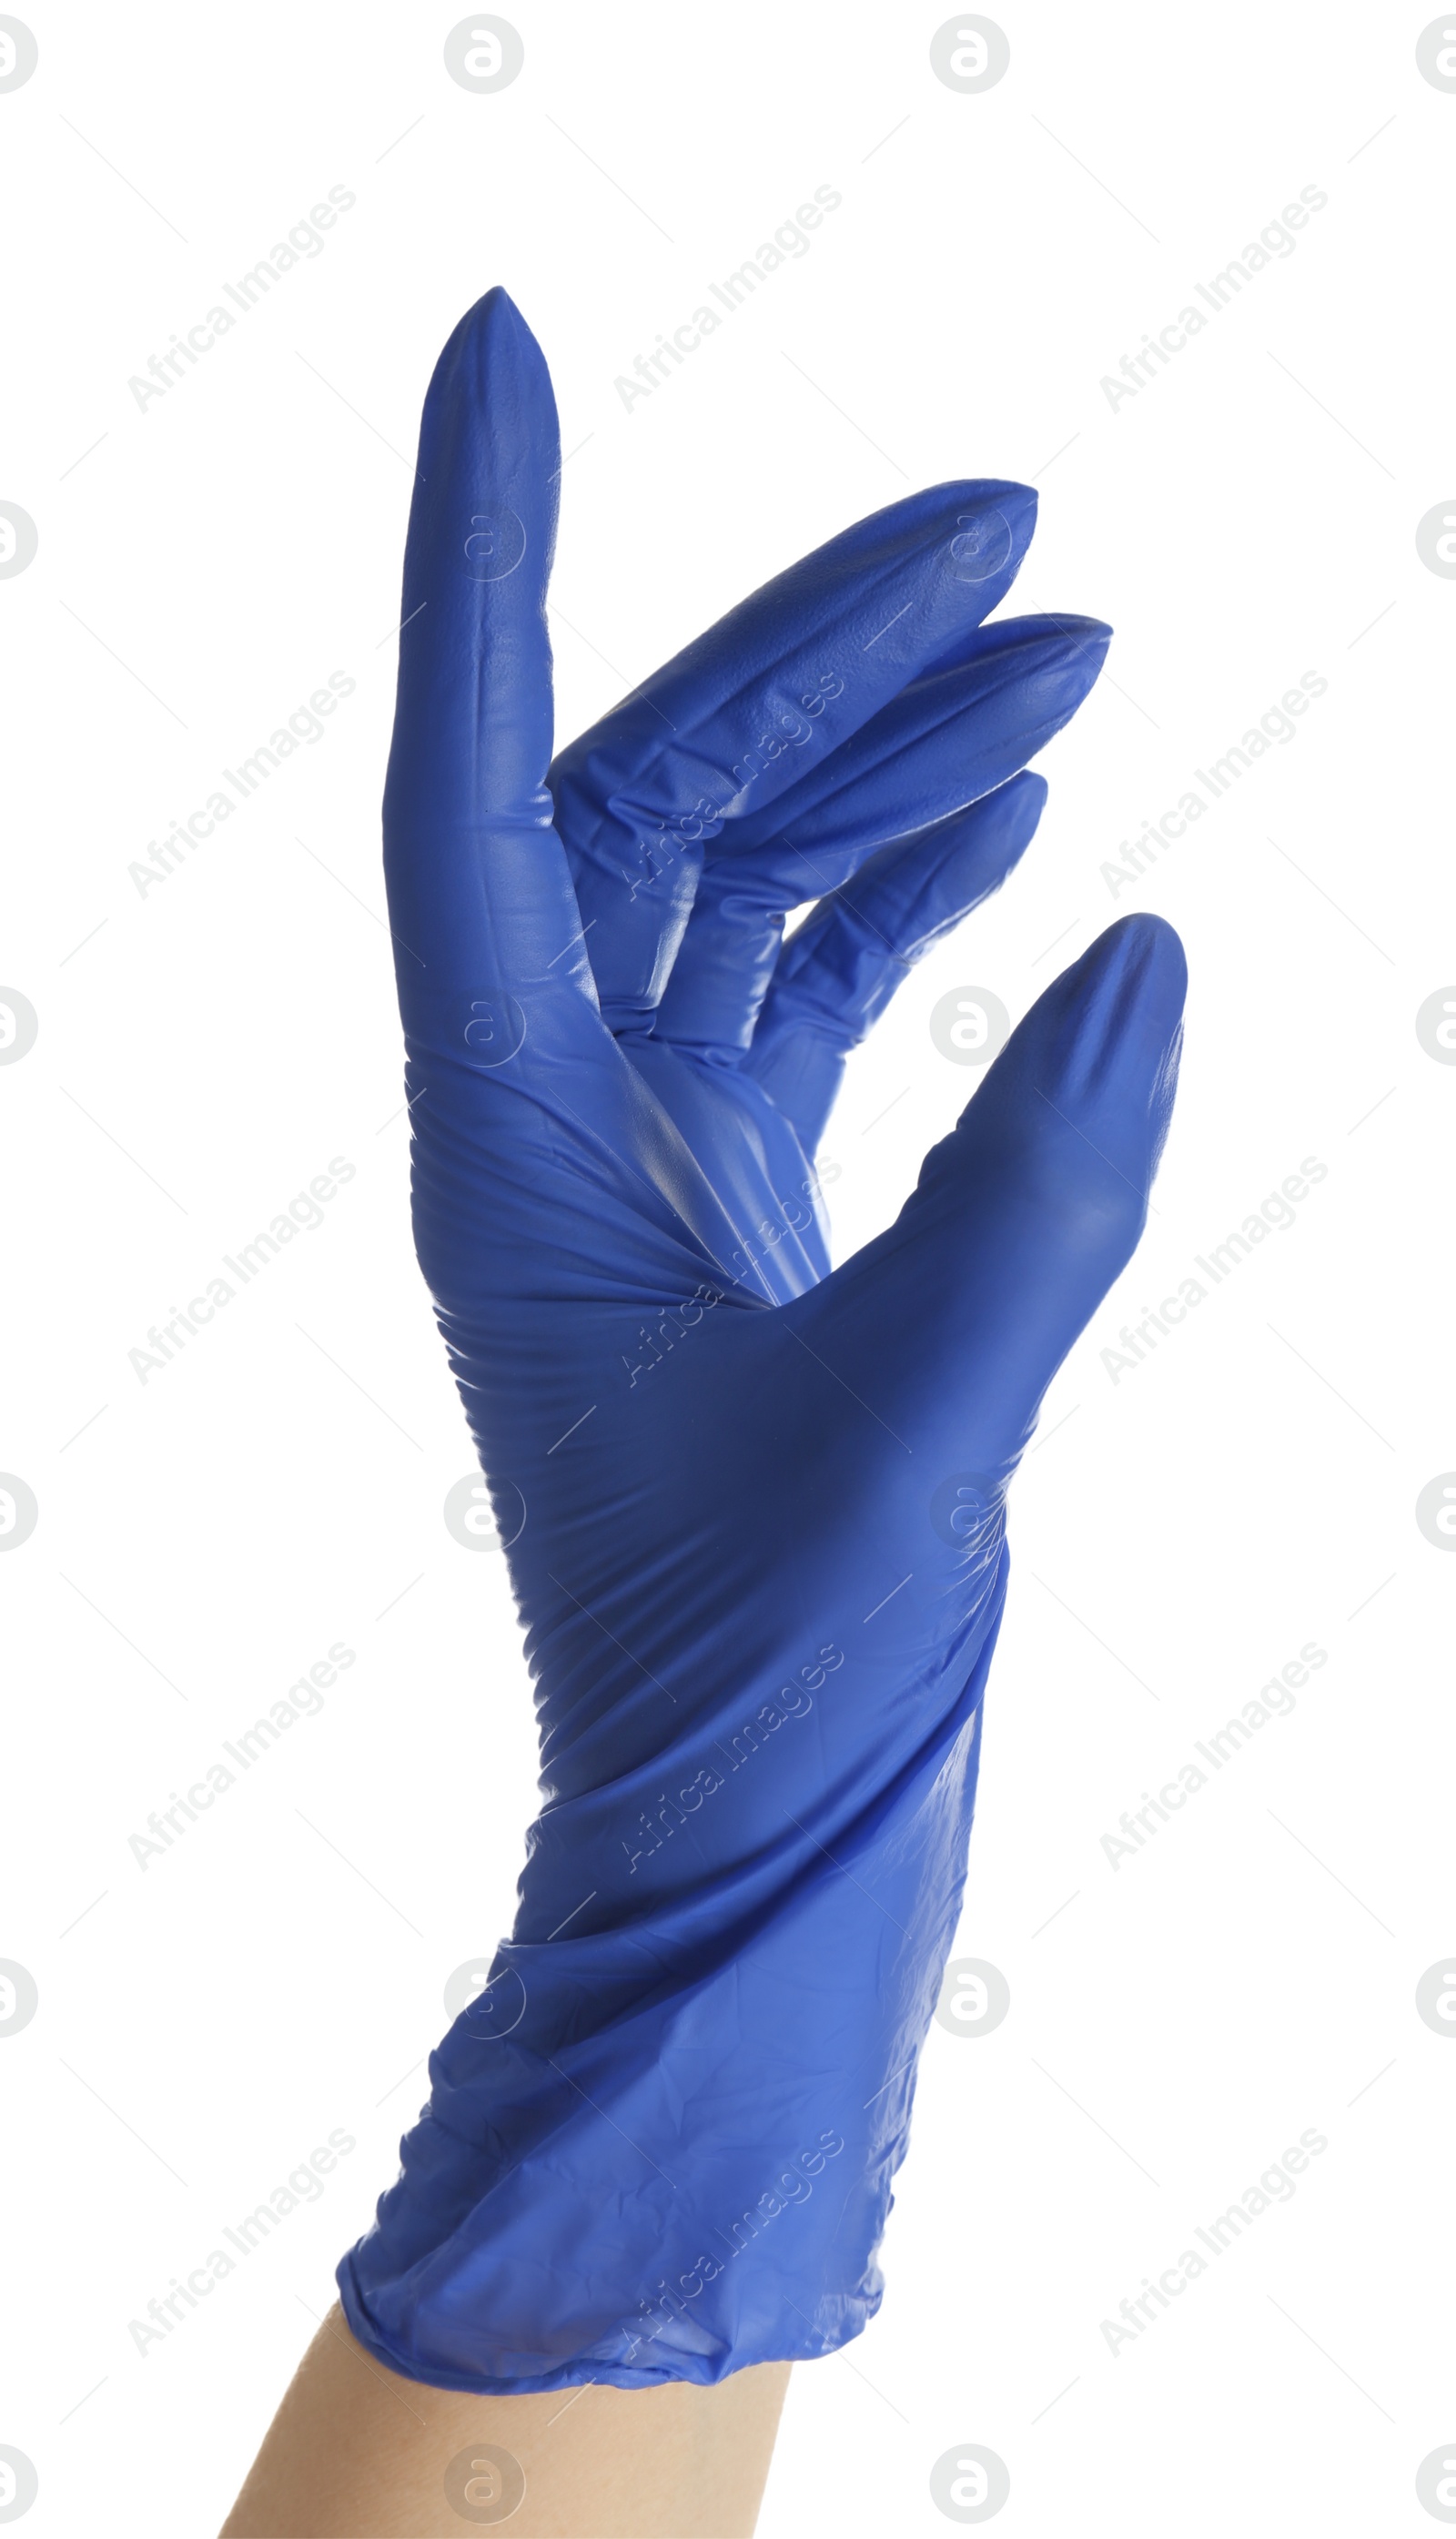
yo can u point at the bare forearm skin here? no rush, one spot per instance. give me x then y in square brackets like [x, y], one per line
[357, 2452]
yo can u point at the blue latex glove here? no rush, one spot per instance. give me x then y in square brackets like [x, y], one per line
[755, 1508]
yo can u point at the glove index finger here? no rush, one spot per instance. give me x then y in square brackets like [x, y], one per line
[480, 897]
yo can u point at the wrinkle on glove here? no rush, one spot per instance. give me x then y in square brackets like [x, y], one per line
[755, 1508]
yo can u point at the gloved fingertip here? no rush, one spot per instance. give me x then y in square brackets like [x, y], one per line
[1097, 1055]
[1018, 506]
[1057, 671]
[493, 363]
[1087, 641]
[1140, 955]
[995, 523]
[496, 302]
[1015, 503]
[1094, 631]
[472, 727]
[1050, 661]
[1121, 1018]
[1019, 803]
[493, 322]
[995, 832]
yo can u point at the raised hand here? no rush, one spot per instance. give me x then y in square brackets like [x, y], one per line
[754, 1507]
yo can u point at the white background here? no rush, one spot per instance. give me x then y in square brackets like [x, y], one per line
[205, 1050]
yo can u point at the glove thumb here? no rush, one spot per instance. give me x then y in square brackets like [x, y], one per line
[949, 1326]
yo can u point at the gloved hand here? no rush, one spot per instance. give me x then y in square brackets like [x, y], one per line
[754, 1507]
